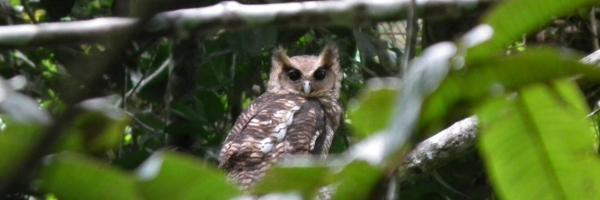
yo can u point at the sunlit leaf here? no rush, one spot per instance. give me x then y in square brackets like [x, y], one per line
[74, 177]
[539, 145]
[168, 175]
[306, 39]
[40, 15]
[15, 2]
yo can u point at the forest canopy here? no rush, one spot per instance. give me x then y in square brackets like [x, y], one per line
[461, 99]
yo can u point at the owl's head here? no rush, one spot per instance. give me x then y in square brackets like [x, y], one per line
[306, 75]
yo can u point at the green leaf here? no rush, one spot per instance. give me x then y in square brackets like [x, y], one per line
[511, 19]
[187, 111]
[15, 142]
[15, 2]
[539, 146]
[168, 175]
[306, 180]
[95, 132]
[71, 176]
[500, 75]
[212, 106]
[373, 112]
[357, 181]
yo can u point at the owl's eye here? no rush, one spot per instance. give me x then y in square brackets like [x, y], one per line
[294, 74]
[320, 74]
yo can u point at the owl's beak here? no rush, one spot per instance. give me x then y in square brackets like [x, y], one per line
[306, 87]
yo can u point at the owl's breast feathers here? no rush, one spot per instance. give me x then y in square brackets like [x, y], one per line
[276, 125]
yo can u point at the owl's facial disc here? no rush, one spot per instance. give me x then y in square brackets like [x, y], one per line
[306, 87]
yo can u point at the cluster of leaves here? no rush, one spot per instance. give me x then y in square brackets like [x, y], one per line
[525, 105]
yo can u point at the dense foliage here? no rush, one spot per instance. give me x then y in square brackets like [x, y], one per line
[151, 124]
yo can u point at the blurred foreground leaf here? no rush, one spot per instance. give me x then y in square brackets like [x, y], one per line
[95, 132]
[373, 111]
[540, 146]
[357, 181]
[501, 75]
[511, 19]
[21, 107]
[15, 142]
[168, 175]
[74, 177]
[305, 180]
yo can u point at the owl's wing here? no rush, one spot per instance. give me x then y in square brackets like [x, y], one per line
[246, 116]
[333, 116]
[308, 131]
[229, 148]
[258, 128]
[257, 139]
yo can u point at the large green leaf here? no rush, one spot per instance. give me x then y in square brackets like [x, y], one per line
[91, 132]
[168, 175]
[539, 145]
[95, 132]
[15, 142]
[305, 180]
[500, 75]
[373, 112]
[511, 19]
[70, 176]
[357, 181]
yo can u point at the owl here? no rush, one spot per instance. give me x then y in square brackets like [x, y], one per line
[298, 114]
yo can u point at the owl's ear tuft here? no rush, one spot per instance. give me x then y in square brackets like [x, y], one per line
[329, 56]
[280, 56]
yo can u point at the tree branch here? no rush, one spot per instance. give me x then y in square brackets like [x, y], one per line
[231, 15]
[448, 144]
[63, 32]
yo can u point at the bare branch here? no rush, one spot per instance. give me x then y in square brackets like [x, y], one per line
[450, 143]
[231, 15]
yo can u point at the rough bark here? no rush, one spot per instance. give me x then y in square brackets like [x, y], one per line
[450, 143]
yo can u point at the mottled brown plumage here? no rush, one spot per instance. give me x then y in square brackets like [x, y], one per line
[298, 114]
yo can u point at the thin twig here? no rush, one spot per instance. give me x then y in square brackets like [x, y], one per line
[411, 36]
[141, 123]
[594, 28]
[145, 80]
